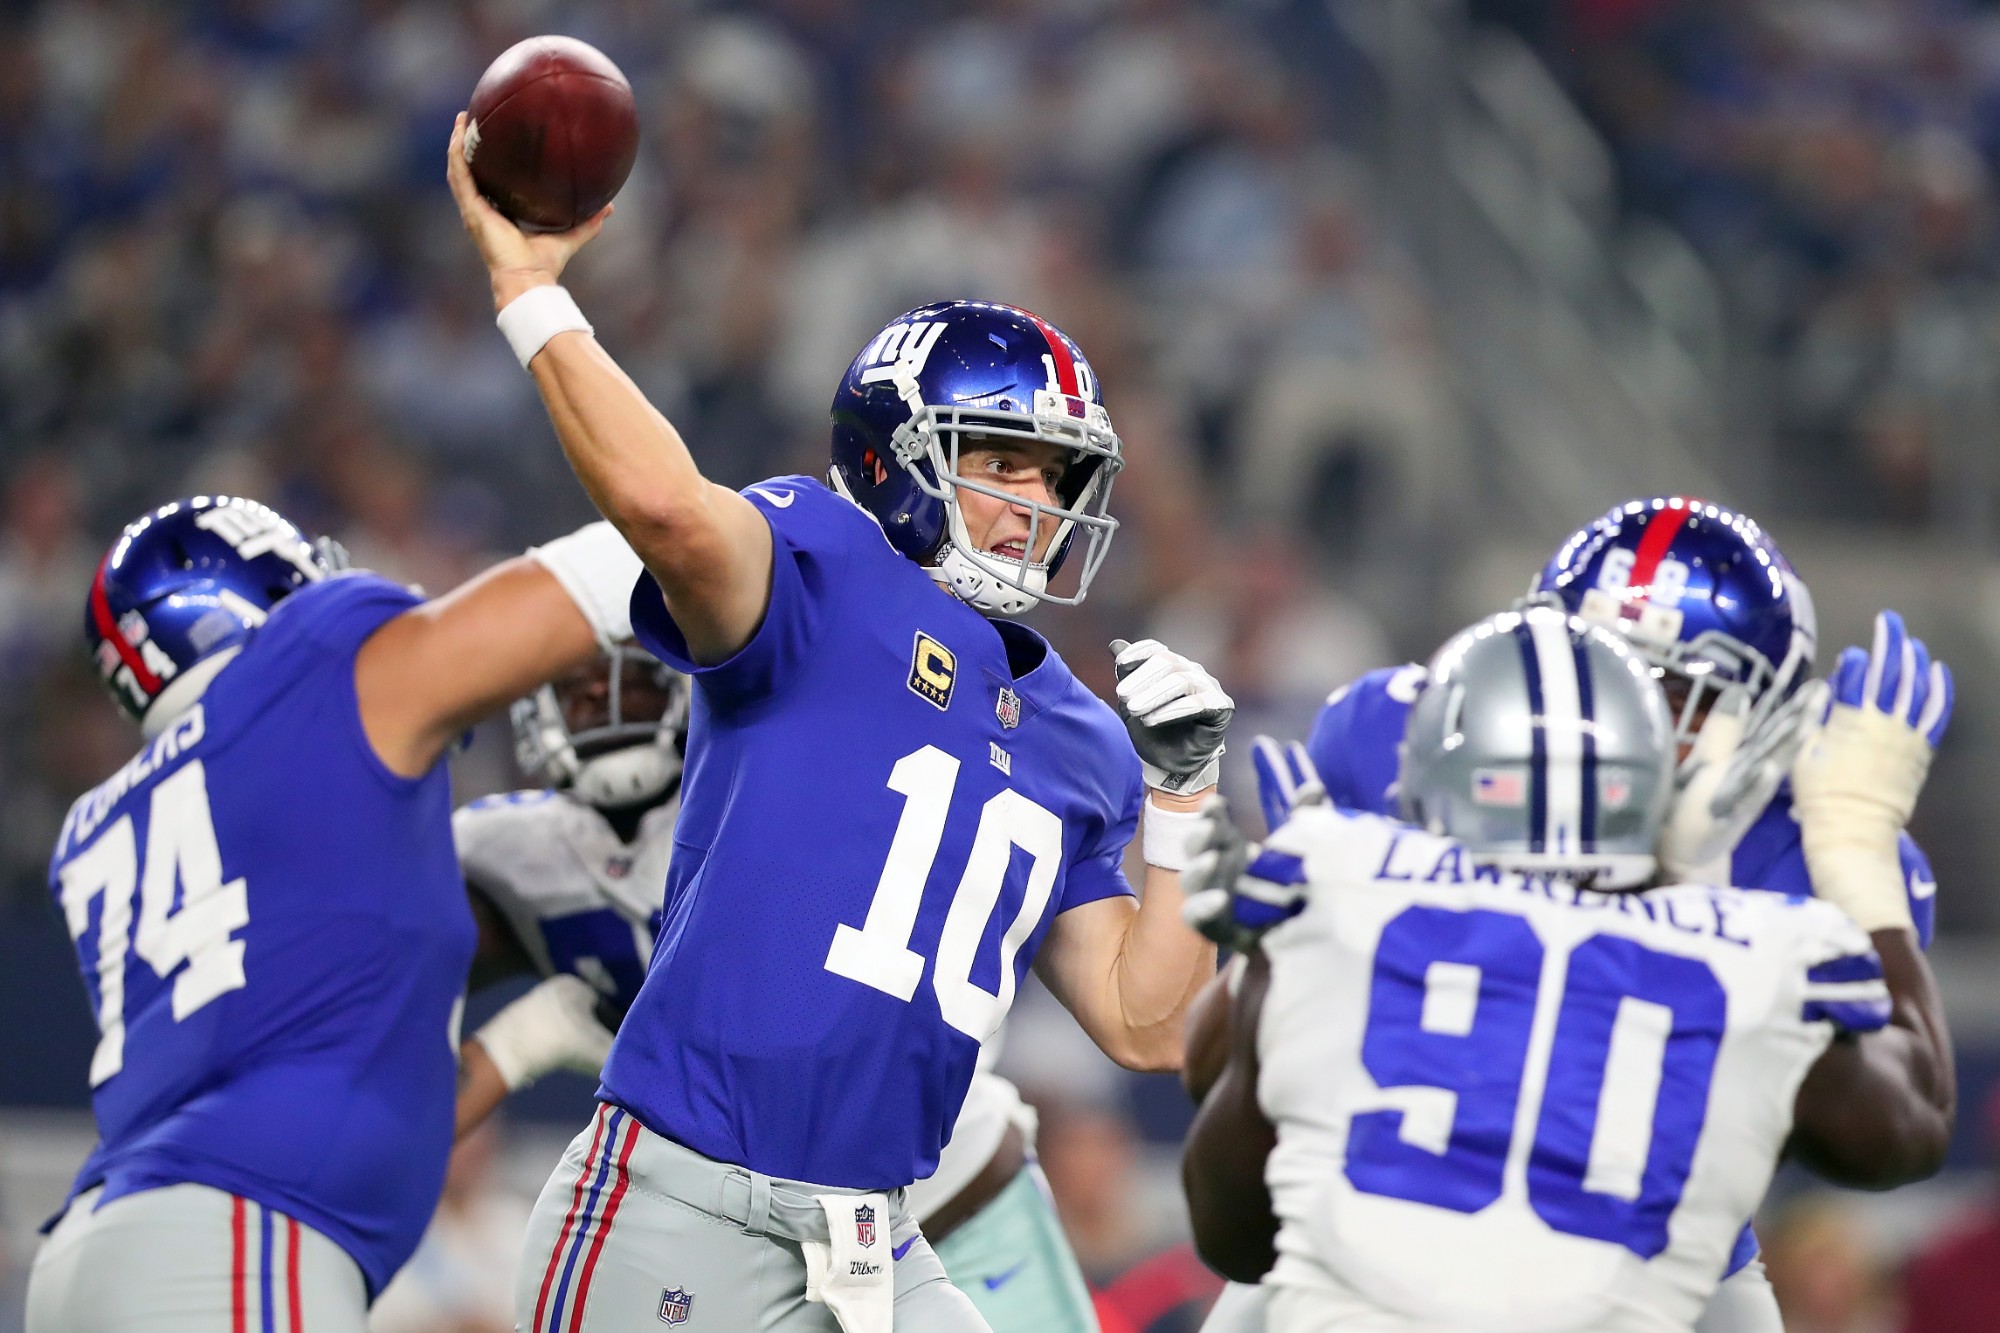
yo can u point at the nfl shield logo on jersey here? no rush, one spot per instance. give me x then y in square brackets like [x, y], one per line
[674, 1306]
[864, 1225]
[1008, 709]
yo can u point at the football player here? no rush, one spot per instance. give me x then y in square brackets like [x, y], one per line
[564, 881]
[268, 914]
[894, 804]
[1716, 611]
[1481, 1075]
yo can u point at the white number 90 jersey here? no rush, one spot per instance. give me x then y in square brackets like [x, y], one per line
[1506, 1103]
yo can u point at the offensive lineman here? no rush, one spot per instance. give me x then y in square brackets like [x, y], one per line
[1511, 1101]
[564, 881]
[1713, 606]
[893, 805]
[269, 917]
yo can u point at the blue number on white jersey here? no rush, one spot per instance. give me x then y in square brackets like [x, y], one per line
[1480, 1054]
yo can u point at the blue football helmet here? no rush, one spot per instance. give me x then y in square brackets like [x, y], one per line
[1701, 592]
[958, 368]
[180, 592]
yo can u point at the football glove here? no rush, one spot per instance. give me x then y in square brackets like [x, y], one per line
[1176, 713]
[1235, 890]
[553, 1026]
[1729, 778]
[1856, 782]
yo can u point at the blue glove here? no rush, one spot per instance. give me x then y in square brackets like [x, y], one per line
[1286, 779]
[1897, 677]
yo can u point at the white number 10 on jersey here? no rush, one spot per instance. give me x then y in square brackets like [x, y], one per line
[878, 953]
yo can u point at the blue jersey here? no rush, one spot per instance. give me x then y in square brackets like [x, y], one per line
[1354, 746]
[888, 799]
[274, 935]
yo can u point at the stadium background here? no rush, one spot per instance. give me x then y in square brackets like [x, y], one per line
[1387, 297]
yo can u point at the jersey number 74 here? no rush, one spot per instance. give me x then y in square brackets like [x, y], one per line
[198, 931]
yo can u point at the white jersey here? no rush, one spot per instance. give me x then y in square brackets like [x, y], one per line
[578, 898]
[582, 901]
[1506, 1103]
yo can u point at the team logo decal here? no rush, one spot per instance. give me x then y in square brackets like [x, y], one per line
[674, 1305]
[864, 1225]
[1008, 709]
[933, 670]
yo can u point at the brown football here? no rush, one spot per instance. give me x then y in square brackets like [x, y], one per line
[553, 133]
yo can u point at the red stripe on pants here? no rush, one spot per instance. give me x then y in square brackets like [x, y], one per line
[292, 1275]
[569, 1220]
[239, 1319]
[604, 1226]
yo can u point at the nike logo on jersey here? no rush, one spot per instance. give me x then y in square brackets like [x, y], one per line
[777, 499]
[999, 1280]
[899, 1251]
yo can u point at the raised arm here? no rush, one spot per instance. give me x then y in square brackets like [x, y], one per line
[1876, 1110]
[707, 546]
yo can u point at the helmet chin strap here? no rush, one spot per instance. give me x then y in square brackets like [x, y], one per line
[185, 692]
[629, 776]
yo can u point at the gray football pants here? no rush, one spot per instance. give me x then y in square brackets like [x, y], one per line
[1744, 1303]
[190, 1259]
[634, 1232]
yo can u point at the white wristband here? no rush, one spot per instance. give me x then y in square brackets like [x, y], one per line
[598, 570]
[537, 315]
[1166, 836]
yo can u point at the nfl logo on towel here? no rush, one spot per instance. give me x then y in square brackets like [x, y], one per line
[1008, 709]
[864, 1225]
[674, 1306]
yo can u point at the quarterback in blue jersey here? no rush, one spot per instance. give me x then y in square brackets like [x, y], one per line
[894, 804]
[268, 913]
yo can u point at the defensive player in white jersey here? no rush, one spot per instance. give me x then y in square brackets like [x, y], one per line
[1483, 1077]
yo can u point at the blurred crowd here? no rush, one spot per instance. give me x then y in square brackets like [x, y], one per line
[1835, 161]
[228, 262]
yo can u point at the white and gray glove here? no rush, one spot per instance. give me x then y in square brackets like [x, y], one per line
[554, 1026]
[1730, 777]
[1856, 783]
[1176, 713]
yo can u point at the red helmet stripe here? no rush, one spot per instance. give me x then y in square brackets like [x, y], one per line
[107, 626]
[1661, 530]
[1059, 350]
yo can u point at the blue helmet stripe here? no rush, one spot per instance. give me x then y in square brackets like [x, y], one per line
[1587, 819]
[1538, 769]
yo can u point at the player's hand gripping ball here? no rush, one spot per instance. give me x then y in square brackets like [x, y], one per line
[553, 133]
